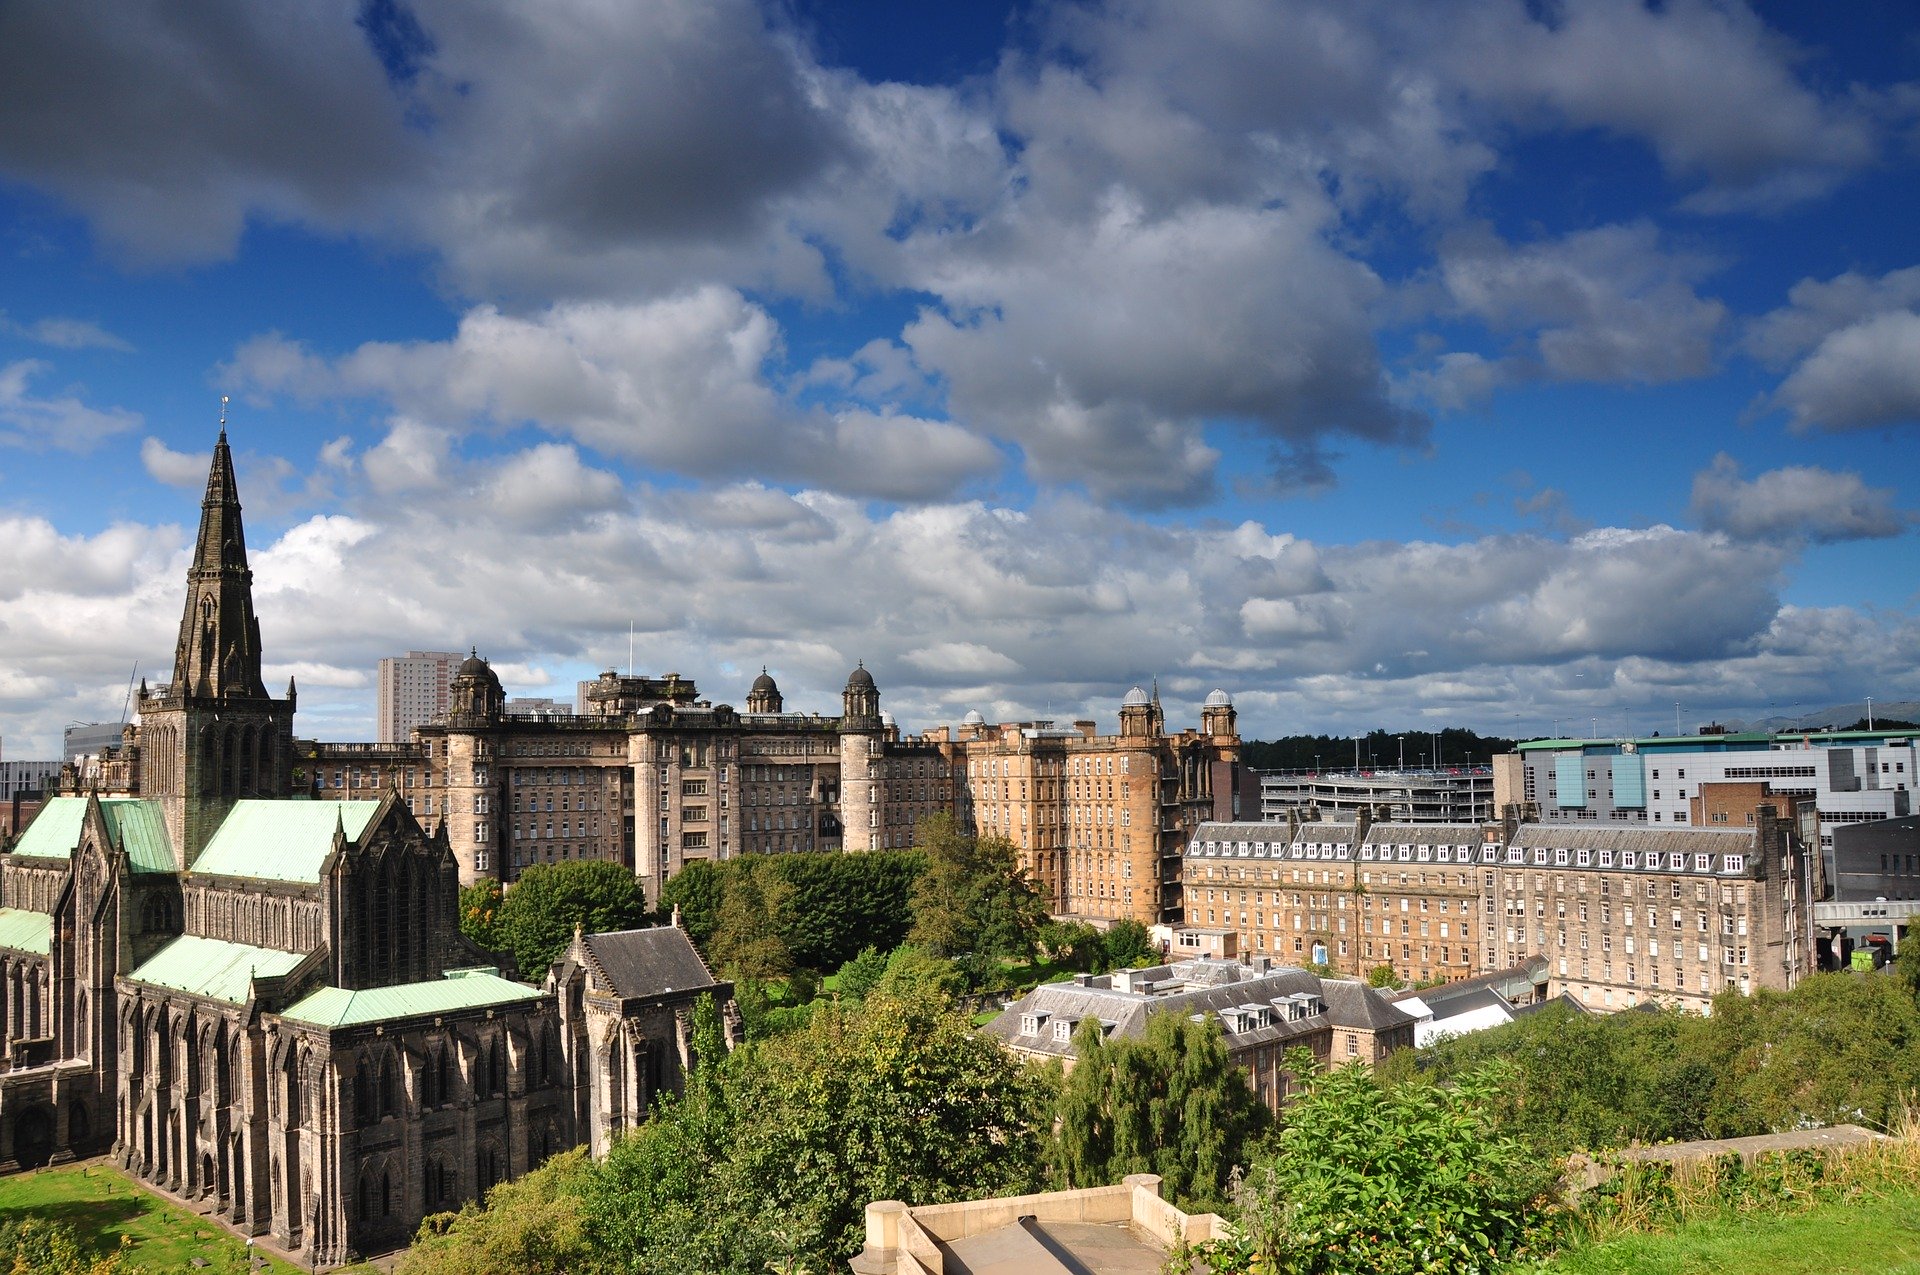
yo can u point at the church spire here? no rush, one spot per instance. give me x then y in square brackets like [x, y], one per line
[218, 654]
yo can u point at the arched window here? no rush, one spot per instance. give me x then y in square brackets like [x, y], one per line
[389, 1088]
[497, 1071]
[364, 1110]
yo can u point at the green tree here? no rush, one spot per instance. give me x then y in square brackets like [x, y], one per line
[912, 971]
[480, 913]
[1170, 1102]
[534, 1225]
[41, 1246]
[1382, 976]
[1127, 944]
[1074, 944]
[827, 907]
[858, 976]
[697, 889]
[1388, 1180]
[745, 943]
[898, 1098]
[973, 897]
[537, 918]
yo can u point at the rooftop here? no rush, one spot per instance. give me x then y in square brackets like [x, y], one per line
[213, 968]
[647, 962]
[281, 840]
[135, 826]
[460, 989]
[24, 931]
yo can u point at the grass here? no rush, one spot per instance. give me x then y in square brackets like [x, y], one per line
[1874, 1234]
[102, 1204]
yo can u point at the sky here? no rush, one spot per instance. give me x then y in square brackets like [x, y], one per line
[1533, 367]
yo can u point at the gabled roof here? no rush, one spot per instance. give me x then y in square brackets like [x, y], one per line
[1354, 1004]
[25, 931]
[1568, 836]
[213, 968]
[648, 962]
[460, 989]
[135, 826]
[281, 840]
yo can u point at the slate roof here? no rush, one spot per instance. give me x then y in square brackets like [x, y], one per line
[25, 931]
[213, 968]
[1207, 986]
[460, 989]
[134, 825]
[647, 962]
[281, 840]
[1559, 836]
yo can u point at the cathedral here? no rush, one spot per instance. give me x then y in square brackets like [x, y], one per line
[263, 1003]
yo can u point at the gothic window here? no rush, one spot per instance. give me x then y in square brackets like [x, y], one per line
[389, 1088]
[291, 1113]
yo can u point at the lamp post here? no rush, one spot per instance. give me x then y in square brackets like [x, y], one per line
[1403, 751]
[1869, 712]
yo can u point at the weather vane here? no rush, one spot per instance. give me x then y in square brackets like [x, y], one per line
[223, 413]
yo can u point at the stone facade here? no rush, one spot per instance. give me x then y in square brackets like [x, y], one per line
[265, 1004]
[1622, 914]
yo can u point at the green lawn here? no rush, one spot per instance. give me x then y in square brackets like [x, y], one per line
[102, 1205]
[1872, 1236]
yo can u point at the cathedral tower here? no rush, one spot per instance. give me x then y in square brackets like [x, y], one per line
[214, 735]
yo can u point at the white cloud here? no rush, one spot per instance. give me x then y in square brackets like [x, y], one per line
[1862, 377]
[175, 469]
[1609, 304]
[681, 383]
[64, 422]
[66, 334]
[1794, 501]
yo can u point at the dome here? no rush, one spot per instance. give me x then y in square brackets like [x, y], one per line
[1136, 698]
[886, 718]
[1219, 699]
[860, 679]
[973, 718]
[763, 685]
[474, 666]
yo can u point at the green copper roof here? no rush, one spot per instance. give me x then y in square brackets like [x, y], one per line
[134, 825]
[212, 967]
[55, 831]
[338, 1007]
[281, 840]
[25, 931]
[141, 832]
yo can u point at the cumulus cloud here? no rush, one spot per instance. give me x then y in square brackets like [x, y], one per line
[62, 422]
[175, 469]
[1609, 304]
[1794, 501]
[681, 384]
[1862, 377]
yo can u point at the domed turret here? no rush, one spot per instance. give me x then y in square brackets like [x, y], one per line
[474, 694]
[1217, 717]
[764, 696]
[1219, 699]
[860, 702]
[973, 718]
[1135, 698]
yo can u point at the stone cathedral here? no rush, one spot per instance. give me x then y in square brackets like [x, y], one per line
[264, 1003]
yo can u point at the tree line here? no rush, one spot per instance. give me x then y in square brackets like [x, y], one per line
[1379, 750]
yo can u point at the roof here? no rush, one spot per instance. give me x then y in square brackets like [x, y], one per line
[460, 989]
[135, 826]
[281, 840]
[1205, 985]
[1571, 836]
[25, 931]
[649, 962]
[213, 968]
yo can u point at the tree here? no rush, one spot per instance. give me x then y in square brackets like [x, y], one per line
[913, 971]
[1382, 976]
[1394, 1179]
[1170, 1102]
[1127, 944]
[697, 889]
[534, 1225]
[858, 976]
[745, 943]
[32, 1245]
[973, 897]
[480, 913]
[549, 901]
[898, 1098]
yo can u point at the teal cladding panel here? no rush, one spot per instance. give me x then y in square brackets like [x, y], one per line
[1630, 781]
[1570, 780]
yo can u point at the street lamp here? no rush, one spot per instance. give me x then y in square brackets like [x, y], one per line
[1403, 751]
[1869, 712]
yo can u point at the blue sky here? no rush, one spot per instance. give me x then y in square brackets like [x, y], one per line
[1483, 364]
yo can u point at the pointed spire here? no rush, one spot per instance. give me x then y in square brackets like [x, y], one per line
[218, 653]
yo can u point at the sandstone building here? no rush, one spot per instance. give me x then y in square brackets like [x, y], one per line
[263, 1002]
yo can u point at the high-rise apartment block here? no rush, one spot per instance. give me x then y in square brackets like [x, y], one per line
[412, 692]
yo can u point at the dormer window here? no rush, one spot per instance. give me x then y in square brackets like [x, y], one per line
[1063, 1031]
[1030, 1024]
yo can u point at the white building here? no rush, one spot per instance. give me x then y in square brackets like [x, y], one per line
[412, 692]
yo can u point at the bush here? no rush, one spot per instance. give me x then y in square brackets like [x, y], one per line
[1386, 1179]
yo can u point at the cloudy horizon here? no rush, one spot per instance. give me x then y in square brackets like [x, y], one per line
[1469, 364]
